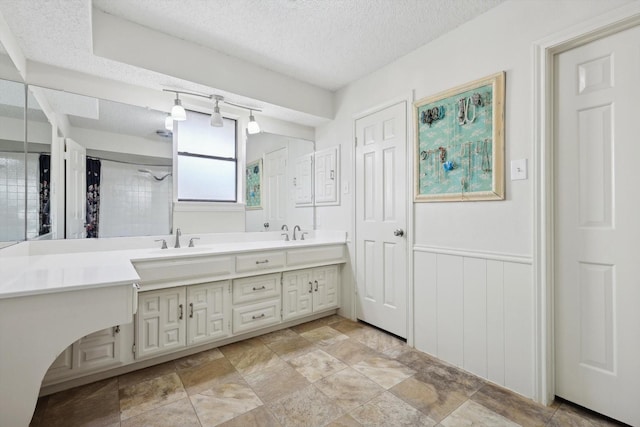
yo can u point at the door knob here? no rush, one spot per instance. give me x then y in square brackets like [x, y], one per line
[399, 232]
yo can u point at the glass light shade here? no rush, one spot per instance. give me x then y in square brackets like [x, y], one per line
[177, 112]
[216, 118]
[168, 123]
[253, 127]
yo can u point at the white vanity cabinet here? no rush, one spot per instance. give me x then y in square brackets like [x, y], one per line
[309, 291]
[90, 353]
[256, 302]
[170, 319]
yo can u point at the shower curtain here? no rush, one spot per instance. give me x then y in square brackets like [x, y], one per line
[93, 197]
[45, 180]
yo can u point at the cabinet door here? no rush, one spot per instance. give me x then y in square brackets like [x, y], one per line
[297, 294]
[97, 350]
[160, 324]
[208, 309]
[326, 176]
[325, 288]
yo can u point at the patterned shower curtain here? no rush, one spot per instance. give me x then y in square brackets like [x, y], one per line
[93, 197]
[45, 180]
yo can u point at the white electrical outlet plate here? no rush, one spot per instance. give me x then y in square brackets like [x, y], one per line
[518, 169]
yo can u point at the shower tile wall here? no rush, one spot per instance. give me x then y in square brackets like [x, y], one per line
[12, 196]
[133, 203]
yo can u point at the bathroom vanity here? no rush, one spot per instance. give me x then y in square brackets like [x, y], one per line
[78, 311]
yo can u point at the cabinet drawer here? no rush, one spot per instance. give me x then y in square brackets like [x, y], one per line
[259, 261]
[256, 288]
[254, 316]
[315, 255]
[183, 268]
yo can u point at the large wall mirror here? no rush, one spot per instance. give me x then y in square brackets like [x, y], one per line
[98, 168]
[279, 182]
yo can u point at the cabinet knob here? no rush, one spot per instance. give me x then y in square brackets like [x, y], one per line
[181, 312]
[310, 287]
[316, 282]
[258, 317]
[260, 288]
[191, 310]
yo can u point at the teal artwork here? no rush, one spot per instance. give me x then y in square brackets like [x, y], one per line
[253, 185]
[460, 143]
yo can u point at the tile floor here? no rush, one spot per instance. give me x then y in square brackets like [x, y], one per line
[329, 372]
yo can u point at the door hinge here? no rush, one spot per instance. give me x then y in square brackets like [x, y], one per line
[116, 329]
[229, 287]
[133, 348]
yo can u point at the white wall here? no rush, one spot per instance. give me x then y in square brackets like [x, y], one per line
[500, 39]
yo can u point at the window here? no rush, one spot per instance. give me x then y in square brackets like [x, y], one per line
[207, 160]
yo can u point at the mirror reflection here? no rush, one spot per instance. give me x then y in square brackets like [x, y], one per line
[117, 178]
[12, 162]
[278, 182]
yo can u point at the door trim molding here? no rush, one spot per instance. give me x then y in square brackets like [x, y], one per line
[543, 53]
[408, 98]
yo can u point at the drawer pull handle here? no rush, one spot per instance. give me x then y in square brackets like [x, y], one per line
[266, 261]
[310, 287]
[316, 282]
[260, 288]
[258, 317]
[191, 310]
[181, 311]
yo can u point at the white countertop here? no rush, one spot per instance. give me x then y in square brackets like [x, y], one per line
[23, 275]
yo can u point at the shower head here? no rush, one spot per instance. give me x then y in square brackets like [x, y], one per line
[161, 178]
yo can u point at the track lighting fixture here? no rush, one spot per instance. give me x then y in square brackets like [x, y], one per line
[168, 123]
[178, 112]
[253, 127]
[216, 117]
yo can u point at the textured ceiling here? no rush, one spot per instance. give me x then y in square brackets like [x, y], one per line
[327, 43]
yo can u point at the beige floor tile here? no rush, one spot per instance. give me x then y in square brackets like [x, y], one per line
[259, 417]
[179, 413]
[224, 401]
[199, 358]
[253, 359]
[146, 374]
[282, 335]
[437, 403]
[350, 351]
[417, 360]
[345, 421]
[349, 388]
[292, 347]
[309, 407]
[324, 335]
[388, 410]
[450, 379]
[512, 406]
[472, 413]
[141, 397]
[377, 340]
[274, 384]
[316, 365]
[202, 377]
[240, 347]
[349, 327]
[385, 372]
[569, 415]
[314, 324]
[94, 404]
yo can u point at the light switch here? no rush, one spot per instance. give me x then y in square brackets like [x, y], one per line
[518, 169]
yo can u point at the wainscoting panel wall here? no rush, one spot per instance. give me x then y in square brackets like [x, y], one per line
[475, 311]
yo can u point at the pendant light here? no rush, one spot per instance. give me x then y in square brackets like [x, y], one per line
[177, 112]
[216, 117]
[168, 123]
[253, 127]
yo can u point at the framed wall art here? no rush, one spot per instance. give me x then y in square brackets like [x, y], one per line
[253, 192]
[459, 143]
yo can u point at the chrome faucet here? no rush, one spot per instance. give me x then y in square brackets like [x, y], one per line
[178, 234]
[284, 227]
[297, 227]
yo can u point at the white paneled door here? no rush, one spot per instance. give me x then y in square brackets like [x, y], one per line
[75, 189]
[597, 226]
[275, 193]
[381, 198]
